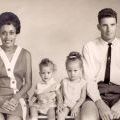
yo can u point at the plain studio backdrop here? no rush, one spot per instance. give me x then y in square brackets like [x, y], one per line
[53, 28]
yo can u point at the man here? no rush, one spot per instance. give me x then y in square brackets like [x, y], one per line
[101, 59]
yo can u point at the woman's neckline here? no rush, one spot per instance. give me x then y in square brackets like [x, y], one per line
[10, 49]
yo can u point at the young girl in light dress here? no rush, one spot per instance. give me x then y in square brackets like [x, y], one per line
[73, 88]
[46, 92]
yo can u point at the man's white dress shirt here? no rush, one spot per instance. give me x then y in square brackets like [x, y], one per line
[94, 62]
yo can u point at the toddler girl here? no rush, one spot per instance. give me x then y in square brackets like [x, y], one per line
[73, 88]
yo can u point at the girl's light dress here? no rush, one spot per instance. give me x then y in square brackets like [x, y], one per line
[71, 91]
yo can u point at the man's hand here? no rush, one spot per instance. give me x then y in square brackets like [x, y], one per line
[104, 110]
[116, 110]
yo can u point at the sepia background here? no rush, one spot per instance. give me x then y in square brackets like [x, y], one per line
[53, 28]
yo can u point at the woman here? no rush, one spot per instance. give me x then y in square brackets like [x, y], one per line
[15, 70]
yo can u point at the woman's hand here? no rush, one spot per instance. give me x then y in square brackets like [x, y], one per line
[6, 106]
[10, 105]
[14, 102]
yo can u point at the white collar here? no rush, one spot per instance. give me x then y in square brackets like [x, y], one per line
[114, 42]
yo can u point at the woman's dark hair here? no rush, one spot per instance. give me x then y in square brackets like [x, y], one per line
[107, 12]
[8, 18]
[47, 62]
[73, 56]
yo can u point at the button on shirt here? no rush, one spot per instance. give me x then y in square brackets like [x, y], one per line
[94, 61]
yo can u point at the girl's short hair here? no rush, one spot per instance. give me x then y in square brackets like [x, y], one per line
[73, 56]
[47, 62]
[8, 18]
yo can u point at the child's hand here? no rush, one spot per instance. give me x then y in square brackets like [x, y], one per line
[32, 100]
[74, 111]
[36, 105]
[60, 107]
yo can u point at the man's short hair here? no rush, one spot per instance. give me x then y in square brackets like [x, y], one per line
[107, 12]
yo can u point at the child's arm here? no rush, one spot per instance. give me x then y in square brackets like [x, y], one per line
[59, 96]
[76, 107]
[59, 99]
[32, 99]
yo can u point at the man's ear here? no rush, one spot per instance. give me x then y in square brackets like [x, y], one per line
[98, 26]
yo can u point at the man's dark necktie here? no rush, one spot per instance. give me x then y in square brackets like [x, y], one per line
[107, 71]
